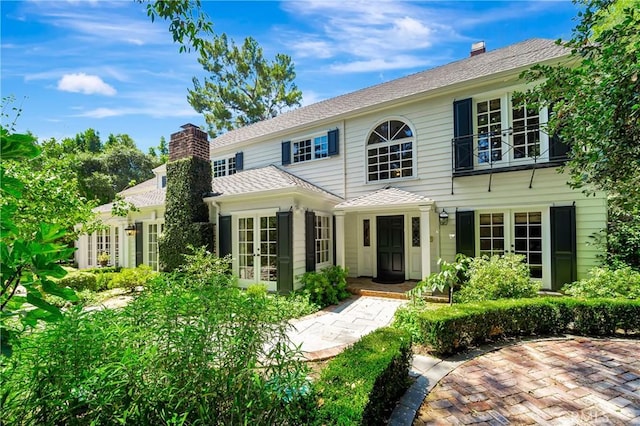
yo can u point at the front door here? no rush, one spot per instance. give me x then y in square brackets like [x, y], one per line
[390, 249]
[257, 244]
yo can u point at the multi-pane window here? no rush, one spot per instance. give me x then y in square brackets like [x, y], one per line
[415, 232]
[390, 151]
[90, 249]
[514, 231]
[528, 240]
[489, 125]
[311, 149]
[302, 151]
[224, 167]
[268, 248]
[366, 232]
[152, 247]
[231, 166]
[491, 234]
[526, 132]
[219, 168]
[508, 130]
[116, 247]
[323, 239]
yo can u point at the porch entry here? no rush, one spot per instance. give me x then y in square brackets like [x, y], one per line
[257, 249]
[390, 249]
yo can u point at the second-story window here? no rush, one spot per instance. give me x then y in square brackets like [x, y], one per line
[390, 151]
[507, 131]
[224, 167]
[310, 149]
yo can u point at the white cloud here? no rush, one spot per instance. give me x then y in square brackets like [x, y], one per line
[84, 83]
[361, 38]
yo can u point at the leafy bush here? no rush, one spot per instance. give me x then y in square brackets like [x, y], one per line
[327, 287]
[362, 384]
[79, 281]
[175, 355]
[605, 282]
[257, 290]
[450, 277]
[497, 277]
[294, 305]
[130, 278]
[452, 329]
[205, 267]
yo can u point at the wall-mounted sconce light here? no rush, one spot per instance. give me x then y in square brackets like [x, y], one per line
[444, 217]
[130, 230]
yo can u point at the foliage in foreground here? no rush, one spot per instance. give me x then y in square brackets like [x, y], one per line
[605, 282]
[327, 287]
[497, 277]
[452, 329]
[361, 385]
[176, 355]
[29, 261]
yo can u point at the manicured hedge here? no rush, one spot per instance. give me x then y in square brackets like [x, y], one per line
[361, 385]
[452, 329]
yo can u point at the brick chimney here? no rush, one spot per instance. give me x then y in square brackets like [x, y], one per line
[478, 48]
[189, 142]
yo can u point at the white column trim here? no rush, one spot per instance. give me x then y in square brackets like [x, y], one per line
[425, 240]
[340, 243]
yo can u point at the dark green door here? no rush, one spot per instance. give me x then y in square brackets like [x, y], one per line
[390, 239]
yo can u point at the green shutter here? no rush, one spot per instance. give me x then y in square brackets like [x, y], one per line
[139, 244]
[463, 134]
[224, 235]
[465, 233]
[239, 161]
[284, 252]
[286, 153]
[333, 138]
[310, 240]
[563, 246]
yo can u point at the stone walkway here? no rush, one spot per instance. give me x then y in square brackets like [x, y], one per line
[576, 381]
[326, 333]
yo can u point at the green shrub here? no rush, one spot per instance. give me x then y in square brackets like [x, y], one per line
[294, 305]
[452, 329]
[497, 277]
[203, 266]
[450, 277]
[103, 280]
[175, 355]
[79, 281]
[362, 384]
[257, 290]
[130, 278]
[605, 282]
[327, 287]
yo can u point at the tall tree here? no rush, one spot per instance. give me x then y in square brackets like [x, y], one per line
[243, 87]
[595, 99]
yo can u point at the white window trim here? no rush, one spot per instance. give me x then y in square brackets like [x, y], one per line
[508, 159]
[414, 165]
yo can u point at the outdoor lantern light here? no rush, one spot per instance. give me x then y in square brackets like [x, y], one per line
[444, 217]
[130, 229]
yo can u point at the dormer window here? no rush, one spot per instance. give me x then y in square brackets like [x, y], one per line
[390, 151]
[228, 166]
[163, 181]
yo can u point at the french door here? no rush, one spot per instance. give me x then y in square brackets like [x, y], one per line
[519, 232]
[257, 248]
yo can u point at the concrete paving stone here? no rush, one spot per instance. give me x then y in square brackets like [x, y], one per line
[620, 401]
[424, 363]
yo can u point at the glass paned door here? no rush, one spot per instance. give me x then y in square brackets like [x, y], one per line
[528, 240]
[257, 249]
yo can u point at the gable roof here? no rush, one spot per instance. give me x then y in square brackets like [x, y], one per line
[270, 178]
[516, 56]
[385, 197]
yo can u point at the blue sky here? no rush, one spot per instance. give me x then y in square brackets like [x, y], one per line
[74, 65]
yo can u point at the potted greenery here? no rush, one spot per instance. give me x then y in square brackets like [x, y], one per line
[103, 258]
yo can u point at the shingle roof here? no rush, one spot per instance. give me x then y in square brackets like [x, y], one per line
[150, 198]
[385, 197]
[512, 57]
[268, 178]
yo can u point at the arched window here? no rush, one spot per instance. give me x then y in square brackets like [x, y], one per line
[390, 151]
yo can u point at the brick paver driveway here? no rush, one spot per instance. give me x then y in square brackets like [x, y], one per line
[559, 382]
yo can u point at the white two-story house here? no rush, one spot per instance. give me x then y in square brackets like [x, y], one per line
[388, 179]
